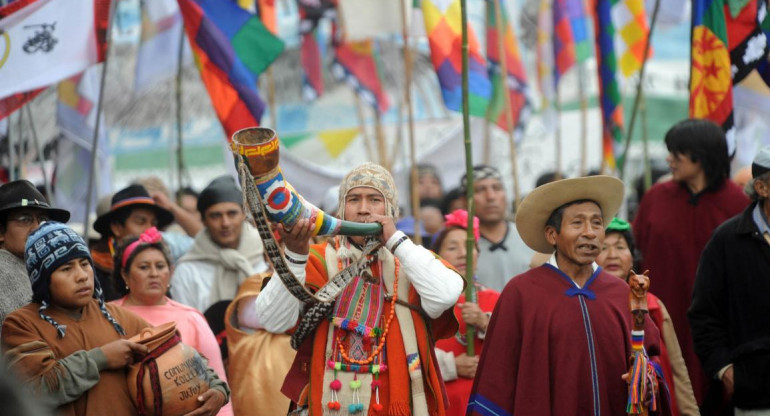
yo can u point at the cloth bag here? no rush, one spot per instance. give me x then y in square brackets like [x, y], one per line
[168, 380]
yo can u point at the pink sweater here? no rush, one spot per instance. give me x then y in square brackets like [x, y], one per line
[193, 329]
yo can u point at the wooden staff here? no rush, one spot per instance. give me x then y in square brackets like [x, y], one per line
[640, 372]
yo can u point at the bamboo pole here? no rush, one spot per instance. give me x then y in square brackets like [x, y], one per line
[507, 101]
[583, 119]
[470, 242]
[40, 158]
[639, 87]
[414, 197]
[99, 102]
[179, 121]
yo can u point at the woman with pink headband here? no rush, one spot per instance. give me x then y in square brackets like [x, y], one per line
[144, 266]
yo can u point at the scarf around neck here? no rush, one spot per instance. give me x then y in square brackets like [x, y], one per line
[233, 266]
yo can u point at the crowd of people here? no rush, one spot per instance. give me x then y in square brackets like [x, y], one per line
[368, 325]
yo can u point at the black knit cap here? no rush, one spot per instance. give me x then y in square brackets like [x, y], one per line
[23, 194]
[126, 199]
[221, 189]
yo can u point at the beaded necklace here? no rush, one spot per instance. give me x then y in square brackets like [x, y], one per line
[366, 365]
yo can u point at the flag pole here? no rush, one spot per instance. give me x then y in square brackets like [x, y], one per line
[557, 104]
[11, 151]
[20, 122]
[503, 57]
[39, 150]
[95, 144]
[470, 241]
[415, 196]
[271, 97]
[179, 149]
[583, 118]
[382, 157]
[645, 144]
[362, 127]
[639, 86]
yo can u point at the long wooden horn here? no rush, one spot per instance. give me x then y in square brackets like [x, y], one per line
[258, 147]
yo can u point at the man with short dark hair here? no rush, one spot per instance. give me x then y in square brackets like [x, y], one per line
[559, 339]
[225, 253]
[22, 209]
[730, 315]
[502, 253]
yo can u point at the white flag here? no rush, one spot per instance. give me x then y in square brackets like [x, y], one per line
[158, 55]
[45, 42]
[365, 19]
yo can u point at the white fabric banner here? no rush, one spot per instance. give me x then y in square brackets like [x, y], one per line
[158, 55]
[45, 42]
[365, 19]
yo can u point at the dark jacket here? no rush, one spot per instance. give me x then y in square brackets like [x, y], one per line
[730, 311]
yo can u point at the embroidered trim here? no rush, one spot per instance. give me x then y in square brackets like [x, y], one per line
[592, 355]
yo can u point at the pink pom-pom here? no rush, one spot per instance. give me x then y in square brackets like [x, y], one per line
[335, 385]
[376, 384]
[330, 364]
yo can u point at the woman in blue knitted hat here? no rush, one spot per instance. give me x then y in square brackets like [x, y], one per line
[67, 346]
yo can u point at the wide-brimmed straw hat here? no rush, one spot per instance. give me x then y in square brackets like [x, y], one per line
[133, 196]
[23, 194]
[537, 207]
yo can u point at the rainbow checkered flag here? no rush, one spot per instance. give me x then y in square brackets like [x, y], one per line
[609, 90]
[631, 30]
[515, 83]
[444, 28]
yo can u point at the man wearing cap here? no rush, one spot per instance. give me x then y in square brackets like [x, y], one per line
[225, 253]
[22, 209]
[502, 253]
[730, 313]
[131, 212]
[375, 354]
[560, 337]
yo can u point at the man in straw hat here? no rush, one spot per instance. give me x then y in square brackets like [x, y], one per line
[375, 354]
[730, 315]
[559, 339]
[22, 209]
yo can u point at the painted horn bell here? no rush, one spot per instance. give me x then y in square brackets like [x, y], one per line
[258, 147]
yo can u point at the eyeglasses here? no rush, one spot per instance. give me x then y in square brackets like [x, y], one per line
[28, 220]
